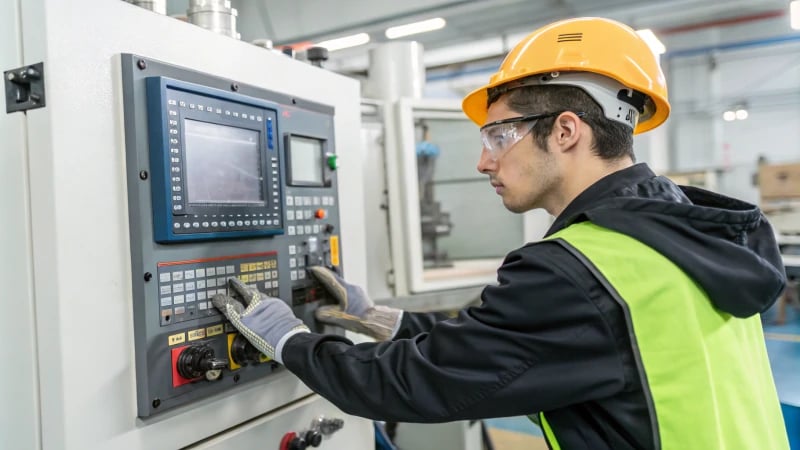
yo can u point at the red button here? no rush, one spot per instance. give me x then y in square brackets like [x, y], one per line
[287, 439]
[320, 214]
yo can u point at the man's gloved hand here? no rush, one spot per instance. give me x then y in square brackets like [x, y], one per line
[355, 311]
[266, 322]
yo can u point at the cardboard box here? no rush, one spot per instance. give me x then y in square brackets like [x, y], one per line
[779, 181]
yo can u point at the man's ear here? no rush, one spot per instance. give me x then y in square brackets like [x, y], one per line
[566, 130]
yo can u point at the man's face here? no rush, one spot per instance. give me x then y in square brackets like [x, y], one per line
[522, 173]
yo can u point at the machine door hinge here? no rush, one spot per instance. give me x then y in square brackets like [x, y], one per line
[24, 88]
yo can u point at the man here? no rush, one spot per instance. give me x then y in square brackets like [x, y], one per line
[633, 324]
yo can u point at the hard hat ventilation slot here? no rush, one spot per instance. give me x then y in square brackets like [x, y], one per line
[570, 37]
[633, 98]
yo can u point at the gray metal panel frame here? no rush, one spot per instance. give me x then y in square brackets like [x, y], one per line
[153, 364]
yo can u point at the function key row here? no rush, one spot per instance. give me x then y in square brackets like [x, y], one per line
[225, 224]
[299, 200]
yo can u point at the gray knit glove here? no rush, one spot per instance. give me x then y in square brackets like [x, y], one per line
[267, 322]
[355, 310]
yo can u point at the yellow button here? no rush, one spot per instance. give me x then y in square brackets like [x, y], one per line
[214, 331]
[243, 267]
[260, 265]
[335, 250]
[252, 267]
[197, 334]
[179, 338]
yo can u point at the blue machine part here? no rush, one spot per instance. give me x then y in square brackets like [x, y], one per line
[171, 106]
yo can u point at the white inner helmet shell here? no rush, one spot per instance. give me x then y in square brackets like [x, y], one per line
[619, 103]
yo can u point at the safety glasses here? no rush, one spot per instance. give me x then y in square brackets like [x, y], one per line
[499, 136]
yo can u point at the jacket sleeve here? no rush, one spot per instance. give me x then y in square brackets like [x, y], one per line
[414, 323]
[536, 343]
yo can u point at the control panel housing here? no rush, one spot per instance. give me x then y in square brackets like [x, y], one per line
[224, 180]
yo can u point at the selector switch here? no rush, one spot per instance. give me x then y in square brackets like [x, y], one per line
[243, 352]
[196, 361]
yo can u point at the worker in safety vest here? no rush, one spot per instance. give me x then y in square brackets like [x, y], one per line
[633, 325]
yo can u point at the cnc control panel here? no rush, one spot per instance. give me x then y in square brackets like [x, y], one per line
[224, 180]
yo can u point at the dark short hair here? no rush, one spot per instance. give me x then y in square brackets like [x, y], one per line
[612, 140]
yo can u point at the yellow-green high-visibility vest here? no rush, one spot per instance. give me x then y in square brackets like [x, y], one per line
[705, 373]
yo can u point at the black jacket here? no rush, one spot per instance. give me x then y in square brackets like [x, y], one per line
[548, 337]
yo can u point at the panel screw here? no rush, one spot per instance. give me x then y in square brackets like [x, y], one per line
[148, 276]
[143, 174]
[156, 403]
[236, 378]
[141, 64]
[235, 87]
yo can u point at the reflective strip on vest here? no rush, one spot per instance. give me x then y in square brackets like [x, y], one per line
[705, 373]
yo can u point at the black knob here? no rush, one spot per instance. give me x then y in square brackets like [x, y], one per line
[313, 438]
[317, 55]
[243, 352]
[298, 443]
[329, 228]
[196, 360]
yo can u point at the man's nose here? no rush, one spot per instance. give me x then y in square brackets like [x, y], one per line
[485, 163]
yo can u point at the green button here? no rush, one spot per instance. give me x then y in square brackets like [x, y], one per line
[332, 162]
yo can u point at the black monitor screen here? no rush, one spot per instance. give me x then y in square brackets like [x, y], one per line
[223, 164]
[306, 161]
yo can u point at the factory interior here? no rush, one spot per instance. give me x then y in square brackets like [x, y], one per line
[160, 158]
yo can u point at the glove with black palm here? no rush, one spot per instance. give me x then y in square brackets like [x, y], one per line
[355, 310]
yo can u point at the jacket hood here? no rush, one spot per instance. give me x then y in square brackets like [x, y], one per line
[725, 245]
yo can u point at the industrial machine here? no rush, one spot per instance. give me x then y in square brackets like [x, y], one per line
[438, 231]
[141, 171]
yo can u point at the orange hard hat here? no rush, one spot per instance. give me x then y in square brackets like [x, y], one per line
[590, 44]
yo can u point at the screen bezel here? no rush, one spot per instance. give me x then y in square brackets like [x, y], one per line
[224, 208]
[287, 145]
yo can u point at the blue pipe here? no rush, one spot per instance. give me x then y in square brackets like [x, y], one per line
[673, 54]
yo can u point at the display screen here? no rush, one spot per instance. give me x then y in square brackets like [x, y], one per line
[223, 164]
[306, 161]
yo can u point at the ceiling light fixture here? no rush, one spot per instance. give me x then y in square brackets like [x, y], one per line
[652, 41]
[415, 28]
[344, 42]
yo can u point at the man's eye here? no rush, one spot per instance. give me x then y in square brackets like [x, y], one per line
[498, 140]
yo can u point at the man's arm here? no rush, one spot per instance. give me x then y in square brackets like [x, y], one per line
[536, 343]
[414, 323]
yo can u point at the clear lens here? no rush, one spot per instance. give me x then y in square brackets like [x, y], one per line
[498, 139]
